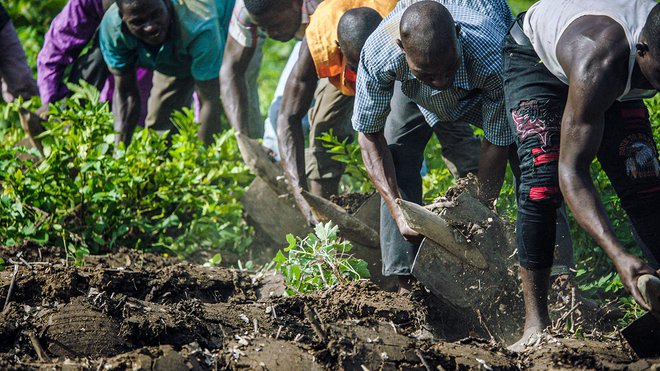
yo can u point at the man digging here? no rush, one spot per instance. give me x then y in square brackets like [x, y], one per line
[446, 58]
[571, 98]
[325, 73]
[183, 42]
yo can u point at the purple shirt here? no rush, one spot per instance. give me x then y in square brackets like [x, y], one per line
[71, 30]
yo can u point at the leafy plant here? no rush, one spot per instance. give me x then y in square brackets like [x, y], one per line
[86, 195]
[348, 152]
[214, 260]
[318, 261]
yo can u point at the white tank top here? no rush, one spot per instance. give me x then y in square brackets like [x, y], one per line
[546, 21]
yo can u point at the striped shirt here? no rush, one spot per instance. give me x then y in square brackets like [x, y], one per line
[476, 96]
[243, 29]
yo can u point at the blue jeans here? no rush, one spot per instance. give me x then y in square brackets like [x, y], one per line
[407, 134]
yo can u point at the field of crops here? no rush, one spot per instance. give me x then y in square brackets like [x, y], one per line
[143, 257]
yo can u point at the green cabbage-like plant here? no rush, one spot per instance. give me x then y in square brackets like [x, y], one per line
[319, 261]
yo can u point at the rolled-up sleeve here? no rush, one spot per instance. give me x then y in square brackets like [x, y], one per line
[206, 53]
[70, 31]
[242, 29]
[374, 90]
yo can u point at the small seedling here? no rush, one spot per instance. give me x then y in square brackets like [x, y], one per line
[318, 261]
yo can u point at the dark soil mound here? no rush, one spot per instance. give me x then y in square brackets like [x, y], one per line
[142, 311]
[351, 202]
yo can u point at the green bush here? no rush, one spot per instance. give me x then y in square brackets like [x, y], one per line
[86, 195]
[355, 178]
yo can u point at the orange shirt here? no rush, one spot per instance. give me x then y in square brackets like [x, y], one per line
[321, 36]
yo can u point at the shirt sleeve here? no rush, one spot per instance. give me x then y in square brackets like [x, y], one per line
[495, 124]
[242, 28]
[70, 31]
[206, 51]
[119, 50]
[374, 90]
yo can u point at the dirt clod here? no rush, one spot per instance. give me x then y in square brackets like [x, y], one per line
[133, 311]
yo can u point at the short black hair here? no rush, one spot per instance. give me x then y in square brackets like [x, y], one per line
[260, 7]
[355, 26]
[651, 29]
[427, 27]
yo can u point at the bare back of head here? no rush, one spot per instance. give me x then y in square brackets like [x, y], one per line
[427, 30]
[429, 41]
[354, 28]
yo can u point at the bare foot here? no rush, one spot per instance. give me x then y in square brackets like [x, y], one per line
[530, 337]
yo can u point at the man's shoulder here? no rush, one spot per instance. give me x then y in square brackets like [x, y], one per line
[195, 14]
[111, 18]
[610, 55]
[111, 26]
[381, 51]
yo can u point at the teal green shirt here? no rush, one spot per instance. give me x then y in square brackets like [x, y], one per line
[194, 47]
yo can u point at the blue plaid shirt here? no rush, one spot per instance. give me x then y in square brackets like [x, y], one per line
[476, 97]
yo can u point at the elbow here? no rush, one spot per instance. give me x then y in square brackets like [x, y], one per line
[366, 139]
[230, 70]
[568, 179]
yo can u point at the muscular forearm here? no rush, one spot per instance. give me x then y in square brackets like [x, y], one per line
[209, 110]
[582, 197]
[298, 95]
[492, 166]
[292, 148]
[126, 108]
[233, 90]
[380, 167]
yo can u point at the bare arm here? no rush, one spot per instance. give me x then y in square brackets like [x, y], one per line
[126, 105]
[380, 167]
[492, 166]
[597, 76]
[208, 93]
[298, 95]
[233, 84]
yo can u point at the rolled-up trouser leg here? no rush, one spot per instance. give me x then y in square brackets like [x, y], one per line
[331, 110]
[563, 258]
[168, 94]
[629, 156]
[407, 134]
[535, 100]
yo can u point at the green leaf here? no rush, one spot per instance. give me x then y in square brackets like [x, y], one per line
[362, 268]
[291, 240]
[279, 258]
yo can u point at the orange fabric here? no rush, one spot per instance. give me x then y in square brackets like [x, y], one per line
[321, 36]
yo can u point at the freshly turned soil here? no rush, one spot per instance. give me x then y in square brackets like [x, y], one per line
[351, 202]
[131, 310]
